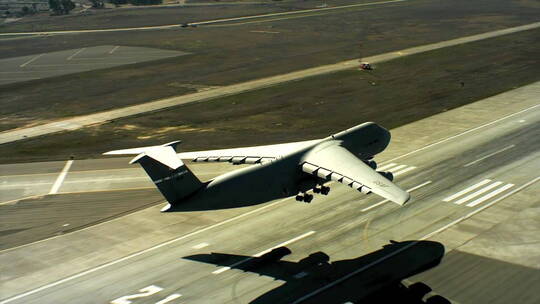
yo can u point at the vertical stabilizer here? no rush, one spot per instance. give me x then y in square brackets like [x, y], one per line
[170, 175]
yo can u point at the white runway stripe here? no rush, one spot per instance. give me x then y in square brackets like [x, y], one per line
[489, 195]
[223, 269]
[489, 155]
[398, 168]
[61, 178]
[477, 193]
[460, 193]
[387, 166]
[385, 201]
[404, 171]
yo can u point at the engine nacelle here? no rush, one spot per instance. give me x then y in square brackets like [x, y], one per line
[315, 259]
[388, 175]
[371, 163]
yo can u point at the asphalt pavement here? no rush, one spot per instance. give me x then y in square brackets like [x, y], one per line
[468, 170]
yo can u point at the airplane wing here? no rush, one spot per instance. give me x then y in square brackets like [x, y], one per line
[267, 265]
[246, 155]
[334, 162]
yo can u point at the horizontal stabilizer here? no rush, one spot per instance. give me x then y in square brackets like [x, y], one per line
[164, 154]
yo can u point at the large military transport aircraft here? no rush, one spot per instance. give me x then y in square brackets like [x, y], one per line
[283, 170]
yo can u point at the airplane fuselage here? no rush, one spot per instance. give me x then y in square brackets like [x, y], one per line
[283, 176]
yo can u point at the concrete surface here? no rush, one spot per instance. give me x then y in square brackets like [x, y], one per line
[52, 64]
[81, 121]
[106, 262]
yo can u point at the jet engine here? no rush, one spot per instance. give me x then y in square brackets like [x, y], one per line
[388, 175]
[371, 163]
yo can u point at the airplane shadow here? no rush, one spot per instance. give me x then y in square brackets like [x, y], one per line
[372, 278]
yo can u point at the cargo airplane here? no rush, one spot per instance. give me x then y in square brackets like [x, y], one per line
[282, 170]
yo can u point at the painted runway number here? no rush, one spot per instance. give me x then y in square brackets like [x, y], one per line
[146, 292]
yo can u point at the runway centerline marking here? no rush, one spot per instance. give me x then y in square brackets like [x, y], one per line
[223, 269]
[75, 54]
[30, 61]
[385, 201]
[489, 155]
[61, 177]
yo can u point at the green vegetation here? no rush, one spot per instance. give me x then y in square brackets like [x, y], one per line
[393, 94]
[61, 7]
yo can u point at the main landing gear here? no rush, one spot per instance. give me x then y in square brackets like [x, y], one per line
[304, 197]
[324, 190]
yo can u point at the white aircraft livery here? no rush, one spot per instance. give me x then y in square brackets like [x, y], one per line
[283, 170]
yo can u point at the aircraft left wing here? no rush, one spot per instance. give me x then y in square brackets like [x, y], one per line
[332, 161]
[243, 155]
[246, 155]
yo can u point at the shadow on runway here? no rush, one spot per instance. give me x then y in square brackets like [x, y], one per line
[372, 278]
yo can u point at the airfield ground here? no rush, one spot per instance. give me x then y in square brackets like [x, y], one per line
[395, 93]
[234, 53]
[97, 235]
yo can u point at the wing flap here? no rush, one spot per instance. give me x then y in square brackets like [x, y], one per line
[247, 155]
[334, 162]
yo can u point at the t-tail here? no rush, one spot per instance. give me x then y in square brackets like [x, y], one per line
[170, 175]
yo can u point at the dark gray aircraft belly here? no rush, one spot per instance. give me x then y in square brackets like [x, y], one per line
[249, 186]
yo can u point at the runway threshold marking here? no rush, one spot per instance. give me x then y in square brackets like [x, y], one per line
[467, 190]
[30, 61]
[480, 209]
[385, 201]
[223, 269]
[489, 155]
[382, 259]
[61, 177]
[91, 270]
[478, 193]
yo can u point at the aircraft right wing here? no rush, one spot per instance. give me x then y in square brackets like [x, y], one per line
[334, 162]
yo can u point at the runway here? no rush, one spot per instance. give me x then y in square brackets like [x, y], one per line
[38, 66]
[468, 170]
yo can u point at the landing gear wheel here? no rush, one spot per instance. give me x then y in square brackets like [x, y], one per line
[325, 190]
[299, 198]
[308, 198]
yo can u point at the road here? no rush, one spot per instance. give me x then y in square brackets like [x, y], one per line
[86, 120]
[472, 168]
[206, 22]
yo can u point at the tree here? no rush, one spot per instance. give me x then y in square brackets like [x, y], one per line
[67, 5]
[55, 6]
[61, 7]
[97, 3]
